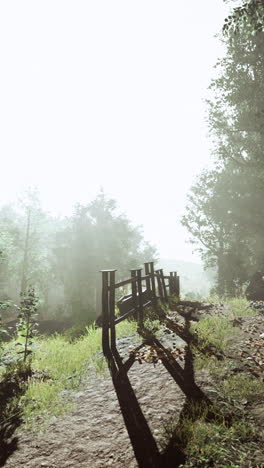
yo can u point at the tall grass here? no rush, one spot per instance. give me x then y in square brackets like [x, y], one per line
[60, 367]
[214, 330]
[239, 307]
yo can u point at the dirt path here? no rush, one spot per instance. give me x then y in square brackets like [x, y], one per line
[94, 434]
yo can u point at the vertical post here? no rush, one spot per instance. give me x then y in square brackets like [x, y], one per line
[140, 302]
[152, 274]
[174, 282]
[98, 292]
[159, 284]
[147, 280]
[134, 290]
[177, 292]
[105, 314]
[165, 295]
[112, 309]
[171, 284]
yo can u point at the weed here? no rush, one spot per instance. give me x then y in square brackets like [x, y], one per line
[27, 323]
[215, 331]
[241, 386]
[62, 366]
[239, 307]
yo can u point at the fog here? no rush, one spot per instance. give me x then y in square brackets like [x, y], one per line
[108, 95]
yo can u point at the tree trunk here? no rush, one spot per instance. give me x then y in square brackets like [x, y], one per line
[25, 257]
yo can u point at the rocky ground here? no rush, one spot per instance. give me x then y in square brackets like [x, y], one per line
[94, 433]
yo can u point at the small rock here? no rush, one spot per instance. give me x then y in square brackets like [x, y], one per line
[53, 420]
[79, 394]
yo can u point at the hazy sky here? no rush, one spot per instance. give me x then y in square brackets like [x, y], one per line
[108, 94]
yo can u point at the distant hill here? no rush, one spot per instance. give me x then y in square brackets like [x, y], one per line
[193, 278]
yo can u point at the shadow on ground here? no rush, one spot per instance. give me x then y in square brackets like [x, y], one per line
[12, 387]
[142, 440]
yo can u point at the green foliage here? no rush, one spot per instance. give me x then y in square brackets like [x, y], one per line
[239, 307]
[26, 327]
[248, 17]
[241, 387]
[96, 237]
[224, 209]
[54, 375]
[61, 257]
[3, 332]
[215, 331]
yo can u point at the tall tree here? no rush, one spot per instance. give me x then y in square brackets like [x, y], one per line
[96, 237]
[229, 199]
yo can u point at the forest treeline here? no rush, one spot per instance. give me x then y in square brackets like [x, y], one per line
[61, 257]
[224, 212]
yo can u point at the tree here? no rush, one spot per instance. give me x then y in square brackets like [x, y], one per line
[248, 17]
[225, 208]
[212, 218]
[96, 237]
[26, 239]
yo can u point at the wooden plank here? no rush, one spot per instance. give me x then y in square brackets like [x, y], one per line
[124, 316]
[152, 274]
[105, 314]
[140, 299]
[123, 283]
[112, 309]
[148, 276]
[126, 302]
[163, 285]
[159, 283]
[130, 312]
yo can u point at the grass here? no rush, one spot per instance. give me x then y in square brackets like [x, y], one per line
[221, 445]
[218, 330]
[211, 443]
[60, 366]
[215, 331]
[239, 307]
[214, 443]
[241, 387]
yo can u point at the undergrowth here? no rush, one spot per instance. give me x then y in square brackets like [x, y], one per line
[215, 442]
[58, 367]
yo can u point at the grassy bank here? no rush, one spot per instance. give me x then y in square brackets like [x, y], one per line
[231, 439]
[58, 367]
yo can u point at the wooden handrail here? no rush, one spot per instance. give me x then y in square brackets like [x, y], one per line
[134, 303]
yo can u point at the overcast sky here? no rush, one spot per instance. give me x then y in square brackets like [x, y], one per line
[108, 94]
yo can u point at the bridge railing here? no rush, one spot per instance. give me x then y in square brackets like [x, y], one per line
[146, 289]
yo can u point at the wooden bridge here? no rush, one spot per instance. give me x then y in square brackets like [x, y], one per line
[145, 290]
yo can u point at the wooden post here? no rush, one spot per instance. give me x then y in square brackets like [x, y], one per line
[165, 295]
[152, 274]
[134, 291]
[140, 302]
[171, 284]
[177, 292]
[174, 282]
[148, 279]
[98, 292]
[159, 284]
[105, 314]
[112, 309]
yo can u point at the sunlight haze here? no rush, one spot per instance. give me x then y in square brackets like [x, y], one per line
[108, 94]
